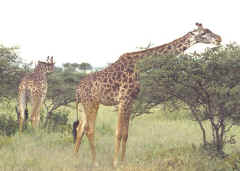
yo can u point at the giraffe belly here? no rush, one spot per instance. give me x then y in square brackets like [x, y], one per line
[109, 102]
[109, 99]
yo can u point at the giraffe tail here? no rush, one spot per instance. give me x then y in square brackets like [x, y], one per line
[75, 123]
[26, 113]
[74, 131]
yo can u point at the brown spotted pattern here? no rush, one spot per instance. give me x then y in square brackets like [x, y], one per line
[33, 87]
[118, 85]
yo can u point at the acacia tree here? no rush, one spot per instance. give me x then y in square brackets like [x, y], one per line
[61, 89]
[85, 66]
[10, 72]
[70, 67]
[207, 83]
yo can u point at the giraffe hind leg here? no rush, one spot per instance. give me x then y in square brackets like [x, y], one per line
[87, 126]
[22, 101]
[35, 116]
[79, 135]
[90, 132]
[79, 131]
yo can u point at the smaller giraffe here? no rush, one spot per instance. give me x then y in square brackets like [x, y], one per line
[33, 87]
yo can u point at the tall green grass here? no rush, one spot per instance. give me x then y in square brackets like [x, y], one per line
[155, 143]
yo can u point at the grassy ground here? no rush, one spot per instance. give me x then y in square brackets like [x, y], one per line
[155, 143]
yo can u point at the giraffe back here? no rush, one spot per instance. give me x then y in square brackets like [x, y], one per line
[107, 86]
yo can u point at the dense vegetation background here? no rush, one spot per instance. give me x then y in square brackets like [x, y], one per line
[186, 116]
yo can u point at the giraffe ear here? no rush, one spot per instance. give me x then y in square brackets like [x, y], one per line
[199, 25]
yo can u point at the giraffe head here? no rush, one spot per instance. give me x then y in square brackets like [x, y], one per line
[45, 66]
[204, 35]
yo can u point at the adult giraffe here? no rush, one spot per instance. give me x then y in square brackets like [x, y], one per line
[33, 86]
[118, 84]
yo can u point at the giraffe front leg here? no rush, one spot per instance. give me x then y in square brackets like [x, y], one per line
[118, 139]
[125, 134]
[121, 131]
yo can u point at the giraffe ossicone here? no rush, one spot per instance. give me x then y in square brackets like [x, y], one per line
[118, 85]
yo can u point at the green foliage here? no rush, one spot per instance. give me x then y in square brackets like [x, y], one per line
[8, 125]
[10, 72]
[167, 113]
[70, 67]
[207, 83]
[58, 122]
[85, 66]
[61, 89]
[191, 78]
[73, 67]
[62, 85]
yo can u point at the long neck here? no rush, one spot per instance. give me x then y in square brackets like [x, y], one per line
[128, 60]
[175, 47]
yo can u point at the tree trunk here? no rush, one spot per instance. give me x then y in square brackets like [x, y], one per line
[194, 112]
[218, 135]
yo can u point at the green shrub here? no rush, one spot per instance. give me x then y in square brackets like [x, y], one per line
[8, 125]
[58, 122]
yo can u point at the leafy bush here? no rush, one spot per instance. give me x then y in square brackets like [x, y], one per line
[8, 125]
[58, 122]
[207, 84]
